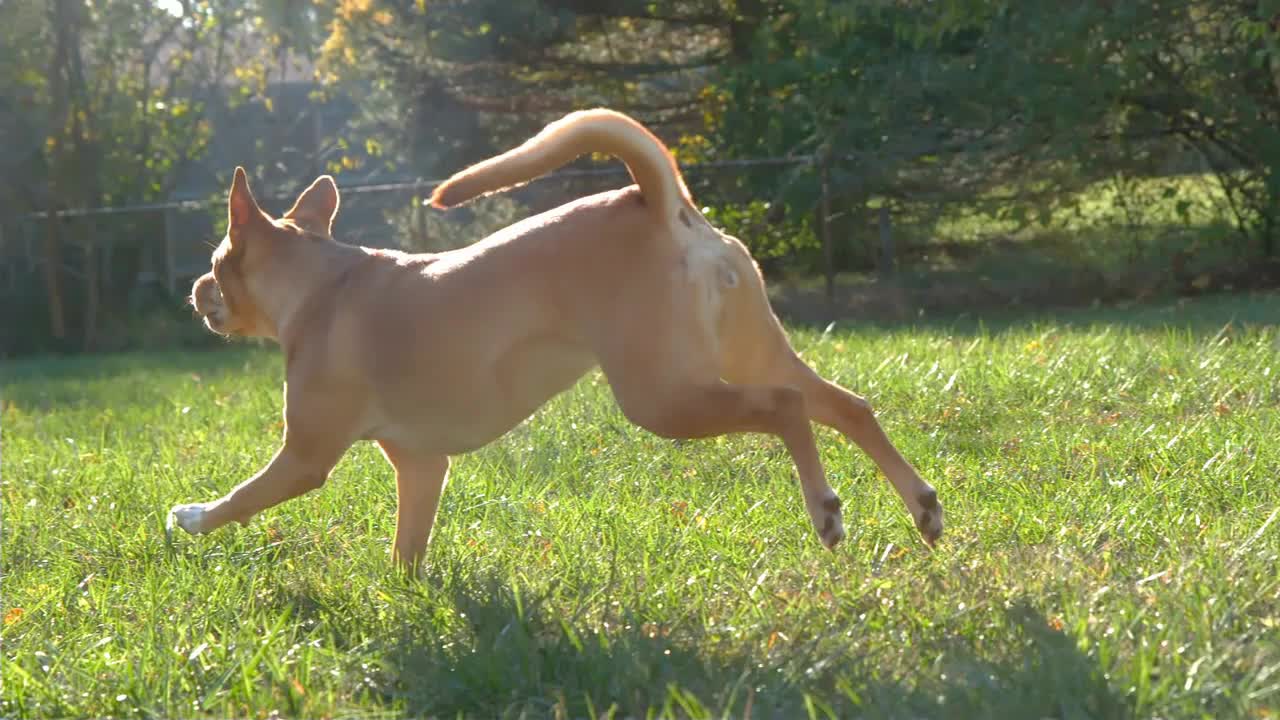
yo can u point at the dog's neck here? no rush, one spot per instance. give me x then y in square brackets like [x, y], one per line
[293, 278]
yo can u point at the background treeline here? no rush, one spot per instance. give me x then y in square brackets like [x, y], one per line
[1025, 150]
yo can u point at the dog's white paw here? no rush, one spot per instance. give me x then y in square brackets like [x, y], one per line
[189, 517]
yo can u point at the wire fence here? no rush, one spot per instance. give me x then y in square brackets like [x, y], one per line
[895, 255]
[421, 185]
[168, 243]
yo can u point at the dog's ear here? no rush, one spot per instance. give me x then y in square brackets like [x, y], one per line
[317, 206]
[242, 209]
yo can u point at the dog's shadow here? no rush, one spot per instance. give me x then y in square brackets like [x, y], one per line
[476, 647]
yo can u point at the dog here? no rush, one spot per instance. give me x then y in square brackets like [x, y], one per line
[435, 355]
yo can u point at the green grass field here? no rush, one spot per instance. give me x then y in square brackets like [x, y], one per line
[1110, 478]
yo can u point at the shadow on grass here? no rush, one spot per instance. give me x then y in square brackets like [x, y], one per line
[502, 653]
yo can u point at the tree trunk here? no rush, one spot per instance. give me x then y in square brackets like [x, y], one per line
[61, 103]
[74, 154]
[742, 29]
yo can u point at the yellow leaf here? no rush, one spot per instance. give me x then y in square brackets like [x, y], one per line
[13, 616]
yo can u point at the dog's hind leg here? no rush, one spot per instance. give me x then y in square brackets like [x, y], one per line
[752, 347]
[419, 483]
[756, 350]
[676, 407]
[852, 416]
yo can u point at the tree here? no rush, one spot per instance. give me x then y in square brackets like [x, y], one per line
[972, 100]
[113, 95]
[445, 84]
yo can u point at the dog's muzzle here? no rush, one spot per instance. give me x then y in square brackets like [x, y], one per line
[206, 298]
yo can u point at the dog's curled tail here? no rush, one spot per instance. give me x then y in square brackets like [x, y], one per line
[561, 142]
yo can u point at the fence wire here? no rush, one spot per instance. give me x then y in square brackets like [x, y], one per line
[420, 185]
[168, 243]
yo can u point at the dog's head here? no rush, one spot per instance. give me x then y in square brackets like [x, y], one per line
[235, 296]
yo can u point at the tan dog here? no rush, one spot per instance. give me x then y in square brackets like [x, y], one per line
[437, 355]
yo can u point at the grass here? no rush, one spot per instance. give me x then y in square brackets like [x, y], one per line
[1122, 238]
[1194, 200]
[1118, 236]
[1109, 225]
[1109, 477]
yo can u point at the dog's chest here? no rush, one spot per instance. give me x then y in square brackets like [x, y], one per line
[453, 405]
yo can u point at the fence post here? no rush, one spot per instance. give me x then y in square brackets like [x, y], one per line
[92, 287]
[108, 257]
[28, 230]
[7, 260]
[886, 244]
[828, 255]
[53, 273]
[170, 262]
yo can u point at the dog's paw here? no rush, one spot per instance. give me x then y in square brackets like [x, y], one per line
[831, 527]
[928, 517]
[189, 517]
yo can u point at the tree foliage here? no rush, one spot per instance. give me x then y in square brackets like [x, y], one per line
[105, 102]
[447, 83]
[964, 100]
[1002, 106]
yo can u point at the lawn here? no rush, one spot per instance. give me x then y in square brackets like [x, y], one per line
[1110, 479]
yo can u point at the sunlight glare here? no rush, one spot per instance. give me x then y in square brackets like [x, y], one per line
[173, 7]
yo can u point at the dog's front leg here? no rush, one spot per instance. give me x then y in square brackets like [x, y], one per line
[297, 468]
[420, 480]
